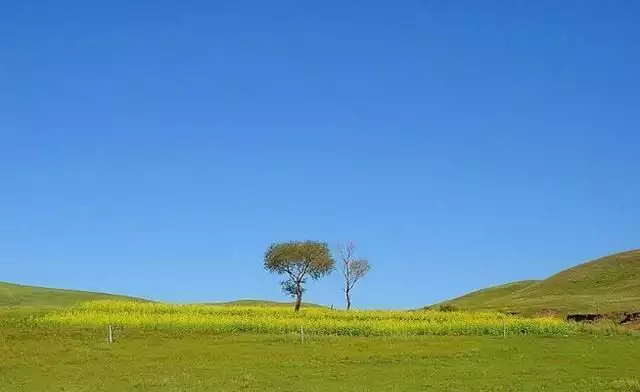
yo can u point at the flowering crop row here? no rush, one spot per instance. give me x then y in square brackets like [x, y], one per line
[278, 320]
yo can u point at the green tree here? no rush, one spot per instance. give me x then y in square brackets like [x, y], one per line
[298, 261]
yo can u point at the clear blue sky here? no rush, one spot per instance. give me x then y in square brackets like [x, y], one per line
[156, 148]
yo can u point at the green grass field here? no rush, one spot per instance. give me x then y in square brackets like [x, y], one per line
[609, 284]
[56, 340]
[66, 349]
[42, 359]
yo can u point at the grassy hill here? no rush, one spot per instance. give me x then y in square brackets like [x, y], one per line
[487, 297]
[609, 284]
[258, 302]
[14, 295]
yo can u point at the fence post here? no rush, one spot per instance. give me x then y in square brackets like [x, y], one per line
[504, 328]
[110, 334]
[301, 335]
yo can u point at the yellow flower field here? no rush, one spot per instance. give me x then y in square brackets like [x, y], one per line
[277, 320]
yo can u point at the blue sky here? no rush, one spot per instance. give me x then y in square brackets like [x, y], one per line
[156, 148]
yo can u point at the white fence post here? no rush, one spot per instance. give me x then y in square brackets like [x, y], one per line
[504, 328]
[110, 334]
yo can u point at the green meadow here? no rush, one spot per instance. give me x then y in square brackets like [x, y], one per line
[76, 358]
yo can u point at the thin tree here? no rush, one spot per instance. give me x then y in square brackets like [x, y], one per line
[298, 261]
[353, 269]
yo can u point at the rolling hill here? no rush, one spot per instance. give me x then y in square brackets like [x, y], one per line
[15, 295]
[259, 302]
[20, 296]
[609, 284]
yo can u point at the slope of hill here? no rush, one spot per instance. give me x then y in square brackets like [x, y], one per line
[258, 302]
[14, 295]
[486, 297]
[609, 284]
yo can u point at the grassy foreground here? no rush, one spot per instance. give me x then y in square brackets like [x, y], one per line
[37, 358]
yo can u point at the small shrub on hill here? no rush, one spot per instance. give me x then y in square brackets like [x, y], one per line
[448, 308]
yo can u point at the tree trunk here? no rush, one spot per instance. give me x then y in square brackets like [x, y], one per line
[298, 298]
[348, 295]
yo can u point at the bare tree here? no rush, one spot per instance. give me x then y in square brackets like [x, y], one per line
[353, 269]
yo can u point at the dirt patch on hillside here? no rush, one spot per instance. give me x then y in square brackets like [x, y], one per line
[631, 317]
[585, 317]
